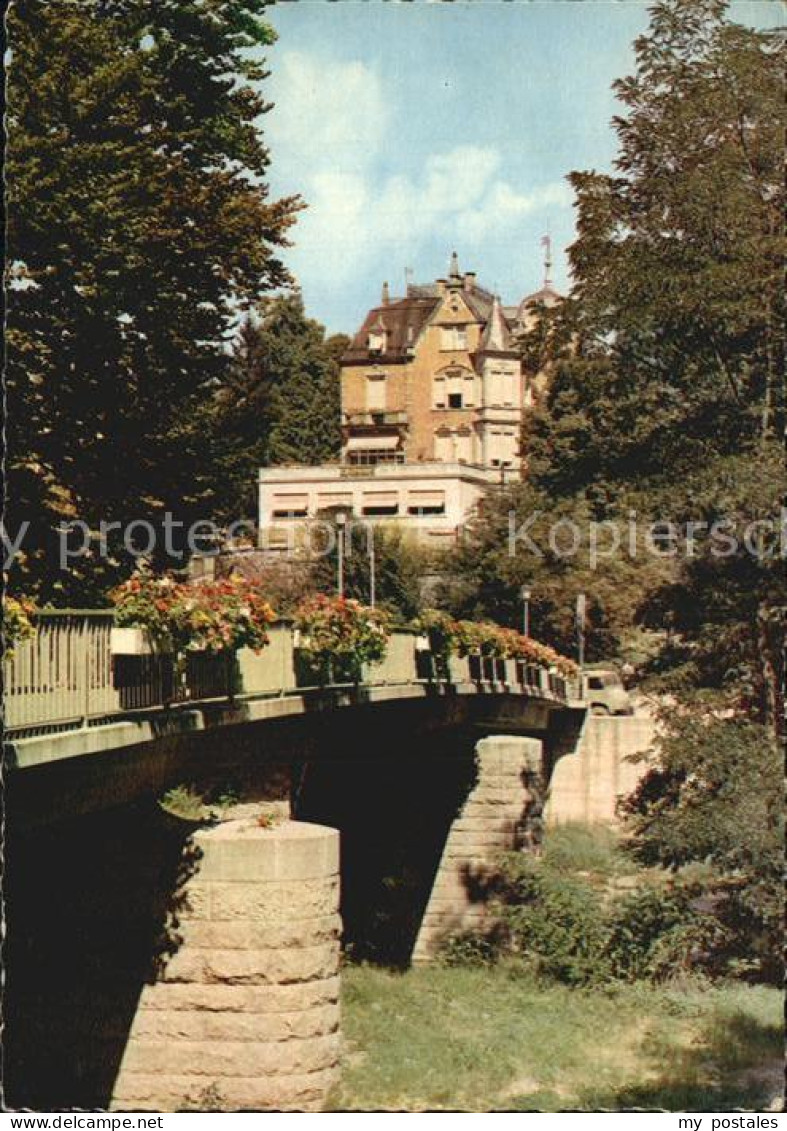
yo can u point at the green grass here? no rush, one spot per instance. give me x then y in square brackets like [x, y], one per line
[481, 1039]
[593, 850]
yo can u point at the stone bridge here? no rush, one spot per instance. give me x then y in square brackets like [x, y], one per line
[154, 963]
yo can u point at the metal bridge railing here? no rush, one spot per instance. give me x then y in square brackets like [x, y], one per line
[63, 673]
[66, 675]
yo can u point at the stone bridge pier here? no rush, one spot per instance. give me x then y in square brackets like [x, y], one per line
[157, 965]
[502, 812]
[244, 1015]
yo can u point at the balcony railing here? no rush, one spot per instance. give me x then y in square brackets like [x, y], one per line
[65, 675]
[374, 419]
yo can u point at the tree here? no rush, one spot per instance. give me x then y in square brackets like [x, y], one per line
[400, 566]
[715, 798]
[305, 374]
[524, 536]
[664, 403]
[674, 333]
[663, 400]
[138, 222]
[278, 402]
[666, 398]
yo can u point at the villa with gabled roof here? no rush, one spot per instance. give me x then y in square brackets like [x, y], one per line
[433, 399]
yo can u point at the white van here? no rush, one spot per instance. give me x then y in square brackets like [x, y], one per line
[603, 691]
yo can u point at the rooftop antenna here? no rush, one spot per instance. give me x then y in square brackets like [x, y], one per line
[546, 243]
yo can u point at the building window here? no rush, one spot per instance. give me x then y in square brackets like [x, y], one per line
[502, 449]
[377, 341]
[290, 506]
[463, 447]
[443, 447]
[369, 457]
[380, 504]
[375, 393]
[331, 501]
[426, 502]
[454, 388]
[438, 508]
[502, 387]
[453, 337]
[380, 510]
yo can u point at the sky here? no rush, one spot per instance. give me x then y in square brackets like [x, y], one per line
[415, 129]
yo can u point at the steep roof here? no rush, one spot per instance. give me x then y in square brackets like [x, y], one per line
[479, 301]
[495, 337]
[423, 290]
[402, 320]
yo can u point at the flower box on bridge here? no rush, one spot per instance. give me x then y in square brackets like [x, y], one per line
[129, 641]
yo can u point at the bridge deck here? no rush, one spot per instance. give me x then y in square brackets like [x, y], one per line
[66, 679]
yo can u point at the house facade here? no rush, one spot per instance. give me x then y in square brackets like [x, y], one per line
[433, 399]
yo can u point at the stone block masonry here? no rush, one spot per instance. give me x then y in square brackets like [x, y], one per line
[497, 816]
[244, 1014]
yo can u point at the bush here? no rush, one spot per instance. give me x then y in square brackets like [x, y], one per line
[656, 933]
[715, 797]
[341, 632]
[564, 929]
[575, 848]
[209, 616]
[17, 623]
[556, 924]
[471, 948]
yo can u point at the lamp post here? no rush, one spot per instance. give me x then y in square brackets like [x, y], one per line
[341, 522]
[580, 618]
[372, 570]
[525, 594]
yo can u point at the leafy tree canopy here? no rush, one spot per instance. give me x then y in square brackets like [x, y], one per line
[665, 398]
[672, 340]
[139, 221]
[279, 400]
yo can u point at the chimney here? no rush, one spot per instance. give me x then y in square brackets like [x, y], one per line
[469, 280]
[386, 295]
[454, 272]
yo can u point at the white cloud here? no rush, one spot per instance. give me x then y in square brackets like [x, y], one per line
[328, 135]
[502, 207]
[327, 113]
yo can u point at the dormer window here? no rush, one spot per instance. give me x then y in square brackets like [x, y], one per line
[377, 341]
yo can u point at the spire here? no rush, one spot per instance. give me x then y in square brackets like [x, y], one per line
[495, 336]
[386, 297]
[546, 243]
[454, 272]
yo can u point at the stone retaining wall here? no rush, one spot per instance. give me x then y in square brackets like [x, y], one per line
[244, 1013]
[587, 784]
